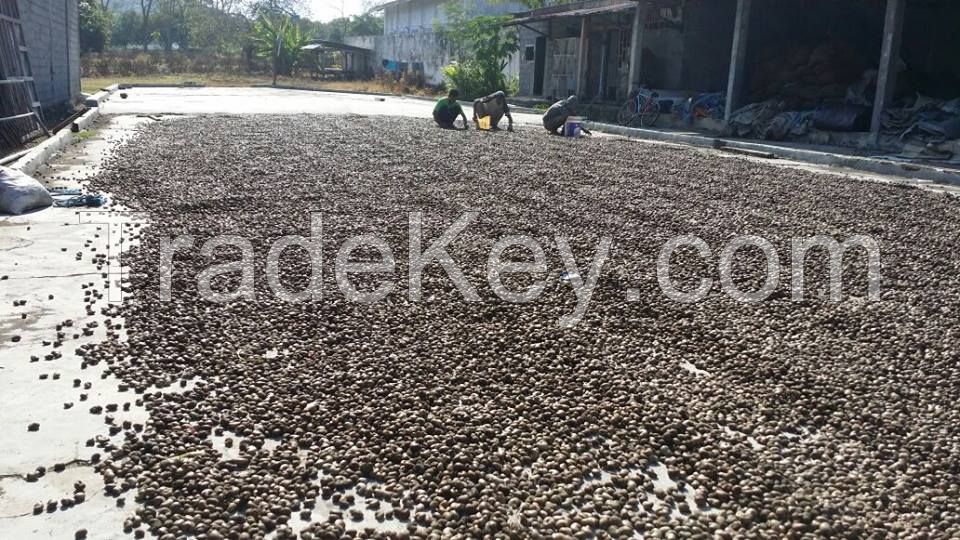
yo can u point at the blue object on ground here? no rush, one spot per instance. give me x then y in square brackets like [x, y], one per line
[94, 200]
[55, 191]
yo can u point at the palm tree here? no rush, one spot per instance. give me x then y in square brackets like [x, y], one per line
[279, 38]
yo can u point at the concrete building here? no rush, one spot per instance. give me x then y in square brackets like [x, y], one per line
[409, 42]
[804, 54]
[677, 43]
[52, 33]
[39, 65]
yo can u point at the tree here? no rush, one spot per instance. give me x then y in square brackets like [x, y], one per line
[481, 47]
[172, 22]
[279, 38]
[536, 4]
[366, 24]
[334, 29]
[228, 7]
[95, 26]
[146, 6]
[213, 29]
[275, 7]
[127, 29]
[342, 27]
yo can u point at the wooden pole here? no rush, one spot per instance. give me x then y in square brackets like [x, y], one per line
[636, 46]
[582, 53]
[889, 53]
[738, 57]
[276, 56]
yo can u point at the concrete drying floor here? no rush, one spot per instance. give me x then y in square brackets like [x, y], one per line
[194, 101]
[272, 101]
[49, 261]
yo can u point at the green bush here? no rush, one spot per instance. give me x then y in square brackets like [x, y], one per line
[513, 86]
[475, 79]
[482, 47]
[468, 78]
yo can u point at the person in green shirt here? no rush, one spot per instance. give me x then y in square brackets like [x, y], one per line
[446, 111]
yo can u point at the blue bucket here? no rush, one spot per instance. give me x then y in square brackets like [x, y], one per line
[573, 126]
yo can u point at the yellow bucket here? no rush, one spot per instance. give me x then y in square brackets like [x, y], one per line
[484, 122]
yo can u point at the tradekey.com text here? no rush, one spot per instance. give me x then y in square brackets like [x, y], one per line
[582, 275]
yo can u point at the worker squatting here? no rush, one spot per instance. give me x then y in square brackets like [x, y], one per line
[493, 108]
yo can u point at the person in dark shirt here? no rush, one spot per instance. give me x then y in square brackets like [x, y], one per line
[447, 109]
[558, 113]
[495, 106]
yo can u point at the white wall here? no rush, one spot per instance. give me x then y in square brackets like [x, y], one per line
[419, 15]
[409, 33]
[412, 16]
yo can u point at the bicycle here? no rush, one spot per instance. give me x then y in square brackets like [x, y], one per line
[642, 107]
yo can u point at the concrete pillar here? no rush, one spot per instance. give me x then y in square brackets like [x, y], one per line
[636, 45]
[738, 56]
[889, 54]
[582, 55]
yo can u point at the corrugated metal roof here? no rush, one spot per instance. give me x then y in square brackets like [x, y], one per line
[542, 15]
[383, 5]
[325, 44]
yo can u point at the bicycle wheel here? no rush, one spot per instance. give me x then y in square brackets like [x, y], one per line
[650, 114]
[626, 114]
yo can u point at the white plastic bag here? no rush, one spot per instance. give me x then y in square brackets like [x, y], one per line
[20, 193]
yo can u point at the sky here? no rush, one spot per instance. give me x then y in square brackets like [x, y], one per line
[325, 10]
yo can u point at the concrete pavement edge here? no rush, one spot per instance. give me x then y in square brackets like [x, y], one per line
[860, 163]
[40, 154]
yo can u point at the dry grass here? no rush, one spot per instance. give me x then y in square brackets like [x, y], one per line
[91, 85]
[94, 84]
